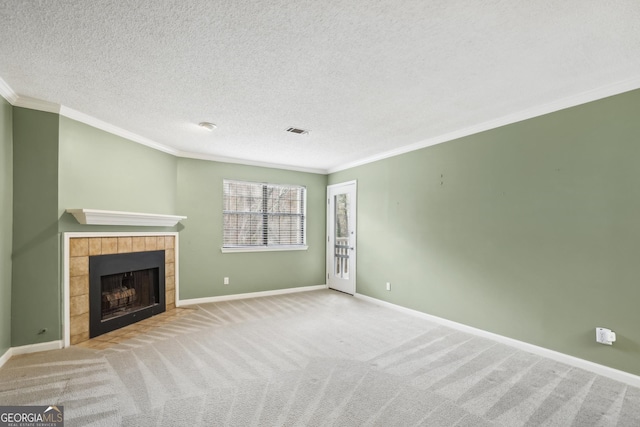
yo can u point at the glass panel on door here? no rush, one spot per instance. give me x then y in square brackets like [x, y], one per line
[341, 245]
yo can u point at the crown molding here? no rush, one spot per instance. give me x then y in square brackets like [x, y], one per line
[7, 93]
[221, 159]
[115, 130]
[561, 104]
[37, 104]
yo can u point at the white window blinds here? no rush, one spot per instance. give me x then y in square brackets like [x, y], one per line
[259, 214]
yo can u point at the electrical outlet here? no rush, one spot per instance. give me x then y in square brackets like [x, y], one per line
[226, 280]
[605, 336]
[388, 286]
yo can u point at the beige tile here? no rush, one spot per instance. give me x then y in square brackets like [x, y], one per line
[79, 305]
[170, 283]
[150, 243]
[169, 255]
[134, 327]
[124, 245]
[100, 338]
[169, 242]
[79, 266]
[117, 337]
[170, 297]
[142, 324]
[78, 285]
[79, 247]
[95, 246]
[110, 335]
[170, 269]
[83, 344]
[109, 245]
[160, 242]
[117, 333]
[130, 334]
[79, 324]
[137, 244]
[78, 338]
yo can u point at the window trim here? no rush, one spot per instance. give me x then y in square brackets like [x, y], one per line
[267, 247]
[281, 248]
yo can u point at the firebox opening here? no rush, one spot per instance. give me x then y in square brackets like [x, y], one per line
[124, 289]
[125, 293]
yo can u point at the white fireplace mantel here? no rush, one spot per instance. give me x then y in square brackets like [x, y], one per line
[102, 217]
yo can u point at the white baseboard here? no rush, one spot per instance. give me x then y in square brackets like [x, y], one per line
[34, 348]
[31, 348]
[194, 301]
[5, 357]
[596, 368]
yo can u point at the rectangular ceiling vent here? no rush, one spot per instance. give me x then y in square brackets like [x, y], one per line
[298, 131]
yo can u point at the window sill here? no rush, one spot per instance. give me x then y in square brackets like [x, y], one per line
[263, 249]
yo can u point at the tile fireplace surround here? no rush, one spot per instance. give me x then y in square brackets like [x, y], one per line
[80, 246]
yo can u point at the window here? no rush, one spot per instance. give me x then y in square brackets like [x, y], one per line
[260, 216]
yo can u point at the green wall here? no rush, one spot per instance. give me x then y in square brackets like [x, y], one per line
[99, 170]
[35, 293]
[203, 266]
[6, 221]
[531, 230]
[60, 163]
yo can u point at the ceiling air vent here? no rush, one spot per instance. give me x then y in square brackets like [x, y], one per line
[298, 131]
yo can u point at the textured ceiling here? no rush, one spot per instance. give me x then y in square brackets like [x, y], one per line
[365, 77]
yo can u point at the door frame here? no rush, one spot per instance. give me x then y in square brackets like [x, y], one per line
[329, 229]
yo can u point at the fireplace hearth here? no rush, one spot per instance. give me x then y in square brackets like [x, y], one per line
[124, 289]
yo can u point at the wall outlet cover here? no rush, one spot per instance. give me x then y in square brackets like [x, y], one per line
[605, 336]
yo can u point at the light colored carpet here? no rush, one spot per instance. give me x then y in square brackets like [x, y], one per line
[312, 359]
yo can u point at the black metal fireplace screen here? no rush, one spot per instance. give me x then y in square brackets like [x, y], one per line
[124, 293]
[124, 289]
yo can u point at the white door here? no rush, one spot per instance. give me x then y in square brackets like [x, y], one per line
[341, 237]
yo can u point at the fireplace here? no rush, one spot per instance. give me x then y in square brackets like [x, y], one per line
[82, 246]
[124, 289]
